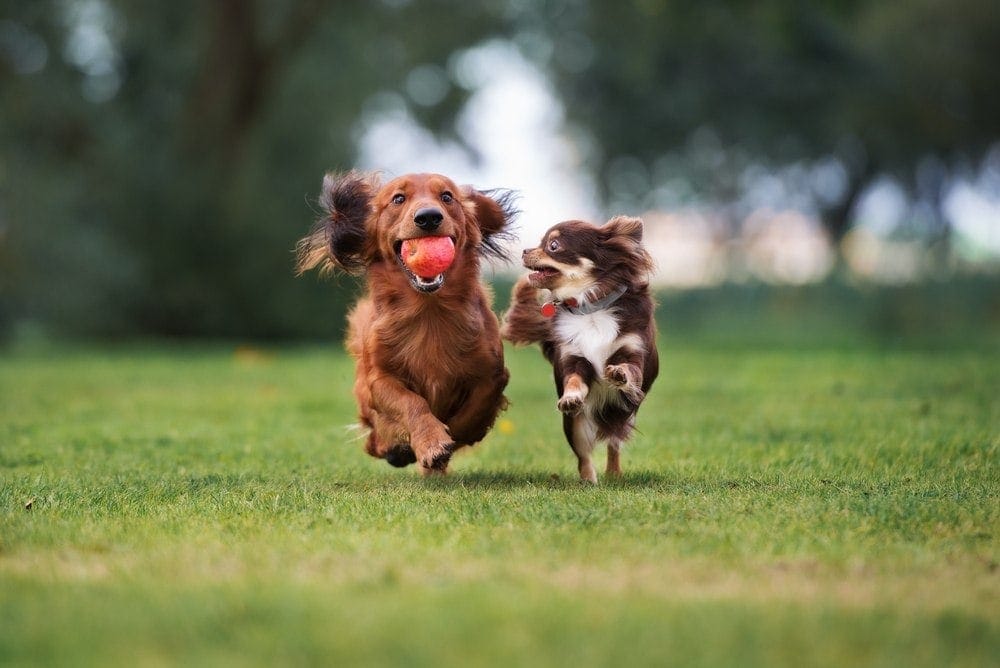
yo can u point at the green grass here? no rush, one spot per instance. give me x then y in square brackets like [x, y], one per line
[204, 506]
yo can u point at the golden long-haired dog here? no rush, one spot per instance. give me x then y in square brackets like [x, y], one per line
[430, 370]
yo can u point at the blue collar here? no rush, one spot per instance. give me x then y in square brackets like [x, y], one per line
[574, 307]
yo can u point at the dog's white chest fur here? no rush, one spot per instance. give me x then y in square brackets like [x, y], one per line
[593, 336]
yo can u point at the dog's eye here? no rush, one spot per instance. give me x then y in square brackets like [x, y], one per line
[554, 245]
[447, 197]
[398, 199]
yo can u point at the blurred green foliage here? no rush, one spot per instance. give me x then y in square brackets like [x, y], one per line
[173, 207]
[959, 314]
[158, 161]
[700, 92]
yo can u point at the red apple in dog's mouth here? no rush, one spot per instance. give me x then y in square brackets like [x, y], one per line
[428, 257]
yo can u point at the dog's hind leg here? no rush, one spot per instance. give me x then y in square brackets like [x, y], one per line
[617, 431]
[479, 410]
[581, 432]
[614, 468]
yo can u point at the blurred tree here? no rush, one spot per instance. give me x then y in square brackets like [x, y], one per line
[158, 159]
[699, 92]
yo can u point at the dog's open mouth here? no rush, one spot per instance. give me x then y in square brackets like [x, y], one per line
[425, 284]
[539, 274]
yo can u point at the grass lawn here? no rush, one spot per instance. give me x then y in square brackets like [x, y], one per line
[208, 506]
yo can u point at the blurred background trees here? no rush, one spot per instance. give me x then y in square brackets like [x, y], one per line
[701, 92]
[159, 160]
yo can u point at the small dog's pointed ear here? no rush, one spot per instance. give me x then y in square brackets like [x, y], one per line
[494, 212]
[626, 226]
[338, 239]
[625, 232]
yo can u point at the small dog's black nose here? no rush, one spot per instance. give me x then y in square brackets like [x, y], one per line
[428, 219]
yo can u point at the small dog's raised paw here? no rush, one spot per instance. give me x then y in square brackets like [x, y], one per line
[570, 404]
[627, 380]
[616, 374]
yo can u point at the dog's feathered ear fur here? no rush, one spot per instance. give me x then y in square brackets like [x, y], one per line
[494, 212]
[626, 226]
[338, 239]
[626, 232]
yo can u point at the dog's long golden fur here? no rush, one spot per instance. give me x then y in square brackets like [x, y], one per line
[430, 370]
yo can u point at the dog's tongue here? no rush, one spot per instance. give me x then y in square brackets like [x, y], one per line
[428, 256]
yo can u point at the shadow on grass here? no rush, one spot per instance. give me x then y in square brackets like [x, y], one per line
[493, 481]
[520, 479]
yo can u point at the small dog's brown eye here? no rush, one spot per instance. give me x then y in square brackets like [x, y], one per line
[447, 197]
[554, 245]
[398, 199]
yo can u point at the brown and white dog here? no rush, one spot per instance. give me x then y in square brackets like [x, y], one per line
[587, 303]
[430, 370]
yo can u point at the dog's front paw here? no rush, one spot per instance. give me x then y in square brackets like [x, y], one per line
[571, 403]
[433, 446]
[626, 378]
[400, 455]
[616, 374]
[435, 459]
[574, 393]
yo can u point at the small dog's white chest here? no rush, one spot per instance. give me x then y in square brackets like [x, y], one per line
[593, 336]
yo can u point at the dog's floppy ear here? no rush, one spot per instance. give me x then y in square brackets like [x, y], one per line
[338, 238]
[494, 212]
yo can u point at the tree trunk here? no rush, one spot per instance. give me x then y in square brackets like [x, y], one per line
[236, 71]
[837, 220]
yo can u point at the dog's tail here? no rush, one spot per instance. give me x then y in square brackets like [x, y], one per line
[524, 324]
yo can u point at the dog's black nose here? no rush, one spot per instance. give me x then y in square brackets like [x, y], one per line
[428, 219]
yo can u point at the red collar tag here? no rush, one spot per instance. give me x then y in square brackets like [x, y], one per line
[549, 308]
